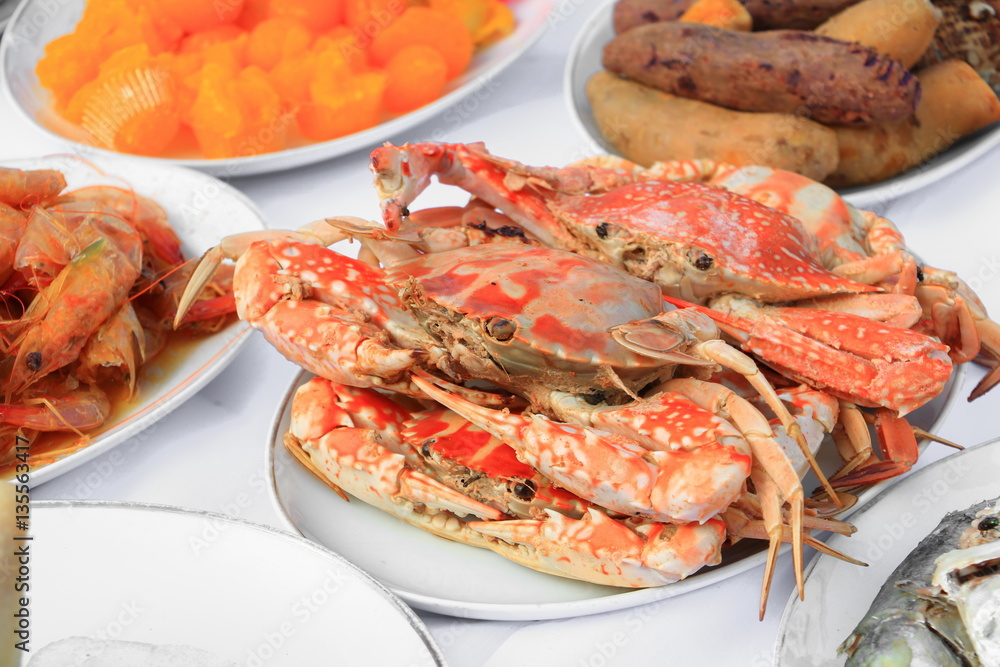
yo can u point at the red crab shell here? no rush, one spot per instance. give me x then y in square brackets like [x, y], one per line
[703, 241]
[537, 313]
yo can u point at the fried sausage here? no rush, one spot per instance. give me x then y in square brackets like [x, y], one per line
[957, 102]
[647, 125]
[899, 29]
[767, 14]
[782, 71]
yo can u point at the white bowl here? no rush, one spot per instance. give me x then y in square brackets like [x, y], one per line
[35, 23]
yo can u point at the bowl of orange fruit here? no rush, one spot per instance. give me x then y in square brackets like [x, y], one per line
[241, 87]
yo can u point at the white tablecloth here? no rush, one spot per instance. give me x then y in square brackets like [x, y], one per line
[209, 453]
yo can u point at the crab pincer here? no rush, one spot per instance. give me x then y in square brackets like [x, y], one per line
[366, 443]
[598, 462]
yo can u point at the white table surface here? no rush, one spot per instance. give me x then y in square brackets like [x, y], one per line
[209, 453]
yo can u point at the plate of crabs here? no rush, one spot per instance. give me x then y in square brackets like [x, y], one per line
[837, 598]
[200, 210]
[585, 60]
[447, 577]
[32, 27]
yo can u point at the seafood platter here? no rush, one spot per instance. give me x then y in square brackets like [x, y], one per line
[521, 390]
[97, 384]
[488, 300]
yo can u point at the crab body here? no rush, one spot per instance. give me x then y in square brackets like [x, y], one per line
[383, 459]
[523, 317]
[705, 232]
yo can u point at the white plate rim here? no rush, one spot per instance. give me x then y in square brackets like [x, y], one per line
[898, 488]
[415, 622]
[539, 12]
[939, 166]
[554, 610]
[184, 388]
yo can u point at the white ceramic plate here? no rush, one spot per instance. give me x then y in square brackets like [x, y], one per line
[34, 24]
[585, 59]
[7, 8]
[838, 594]
[201, 210]
[247, 593]
[450, 578]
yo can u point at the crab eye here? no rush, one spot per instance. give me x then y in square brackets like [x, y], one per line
[989, 523]
[702, 261]
[500, 329]
[525, 490]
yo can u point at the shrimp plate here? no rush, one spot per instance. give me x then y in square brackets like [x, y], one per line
[200, 208]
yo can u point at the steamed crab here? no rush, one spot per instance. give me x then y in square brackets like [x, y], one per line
[436, 470]
[812, 289]
[533, 321]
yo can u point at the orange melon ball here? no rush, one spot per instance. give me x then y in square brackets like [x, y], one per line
[276, 38]
[371, 16]
[216, 116]
[342, 106]
[431, 27]
[69, 62]
[320, 15]
[231, 54]
[254, 11]
[472, 12]
[265, 126]
[345, 42]
[195, 15]
[291, 78]
[196, 41]
[415, 76]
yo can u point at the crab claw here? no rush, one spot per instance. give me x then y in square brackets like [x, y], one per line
[599, 549]
[615, 471]
[232, 247]
[957, 316]
[897, 445]
[871, 363]
[355, 460]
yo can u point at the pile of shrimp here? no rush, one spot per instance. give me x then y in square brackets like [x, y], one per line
[89, 283]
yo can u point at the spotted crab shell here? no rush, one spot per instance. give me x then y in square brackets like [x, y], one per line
[536, 314]
[703, 241]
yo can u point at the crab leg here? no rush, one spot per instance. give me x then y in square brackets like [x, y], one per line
[959, 318]
[346, 436]
[897, 445]
[602, 464]
[772, 473]
[403, 172]
[232, 247]
[656, 337]
[600, 549]
[845, 355]
[354, 460]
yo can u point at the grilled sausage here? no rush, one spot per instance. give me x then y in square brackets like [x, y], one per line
[783, 71]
